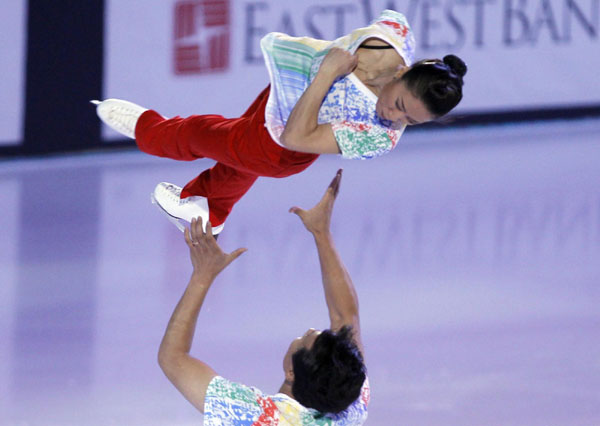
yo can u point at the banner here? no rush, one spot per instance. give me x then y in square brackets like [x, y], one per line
[202, 56]
[12, 68]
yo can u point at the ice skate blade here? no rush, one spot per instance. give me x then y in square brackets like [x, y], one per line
[95, 102]
[174, 220]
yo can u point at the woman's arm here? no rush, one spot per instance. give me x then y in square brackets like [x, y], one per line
[302, 131]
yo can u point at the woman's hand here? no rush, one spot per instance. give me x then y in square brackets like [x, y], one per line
[338, 62]
[207, 257]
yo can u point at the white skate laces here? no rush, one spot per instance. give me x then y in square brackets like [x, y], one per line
[119, 115]
[168, 198]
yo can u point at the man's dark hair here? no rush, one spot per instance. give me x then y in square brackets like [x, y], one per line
[438, 84]
[328, 377]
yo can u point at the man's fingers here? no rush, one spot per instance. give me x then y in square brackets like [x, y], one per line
[338, 181]
[193, 230]
[237, 253]
[330, 193]
[335, 183]
[326, 201]
[197, 230]
[301, 213]
[335, 178]
[297, 211]
[234, 255]
[187, 237]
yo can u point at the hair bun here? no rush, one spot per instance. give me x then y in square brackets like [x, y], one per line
[456, 64]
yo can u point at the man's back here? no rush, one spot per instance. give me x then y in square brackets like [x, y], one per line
[230, 403]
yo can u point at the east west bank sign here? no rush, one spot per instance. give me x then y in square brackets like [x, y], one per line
[522, 54]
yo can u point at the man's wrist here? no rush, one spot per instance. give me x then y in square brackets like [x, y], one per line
[322, 234]
[202, 278]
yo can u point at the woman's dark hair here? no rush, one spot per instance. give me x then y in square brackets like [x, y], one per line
[438, 84]
[328, 377]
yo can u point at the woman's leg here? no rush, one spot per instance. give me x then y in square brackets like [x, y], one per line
[184, 139]
[223, 186]
[242, 147]
[236, 142]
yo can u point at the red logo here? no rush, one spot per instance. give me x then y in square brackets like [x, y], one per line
[201, 36]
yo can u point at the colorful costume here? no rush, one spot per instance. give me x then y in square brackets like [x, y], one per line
[230, 403]
[349, 105]
[248, 147]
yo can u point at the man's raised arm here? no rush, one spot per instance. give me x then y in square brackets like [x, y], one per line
[188, 374]
[340, 295]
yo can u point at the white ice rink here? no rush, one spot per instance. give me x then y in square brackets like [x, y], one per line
[475, 252]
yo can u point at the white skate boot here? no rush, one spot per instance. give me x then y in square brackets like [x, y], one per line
[167, 197]
[119, 115]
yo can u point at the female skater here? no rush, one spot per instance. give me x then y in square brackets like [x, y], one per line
[353, 96]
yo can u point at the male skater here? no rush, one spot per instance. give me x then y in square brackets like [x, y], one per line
[324, 375]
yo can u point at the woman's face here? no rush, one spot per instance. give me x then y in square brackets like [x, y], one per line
[397, 104]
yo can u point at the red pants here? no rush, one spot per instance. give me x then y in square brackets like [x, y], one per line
[241, 146]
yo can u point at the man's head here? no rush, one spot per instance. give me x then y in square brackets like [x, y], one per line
[326, 369]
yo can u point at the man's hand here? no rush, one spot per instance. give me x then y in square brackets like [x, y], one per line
[317, 220]
[338, 62]
[207, 257]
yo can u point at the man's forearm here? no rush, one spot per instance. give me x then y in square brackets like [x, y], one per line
[340, 294]
[180, 330]
[189, 375]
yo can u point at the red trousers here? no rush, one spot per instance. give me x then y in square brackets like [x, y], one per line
[241, 146]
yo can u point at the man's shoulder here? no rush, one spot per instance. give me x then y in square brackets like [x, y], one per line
[355, 414]
[237, 402]
[231, 400]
